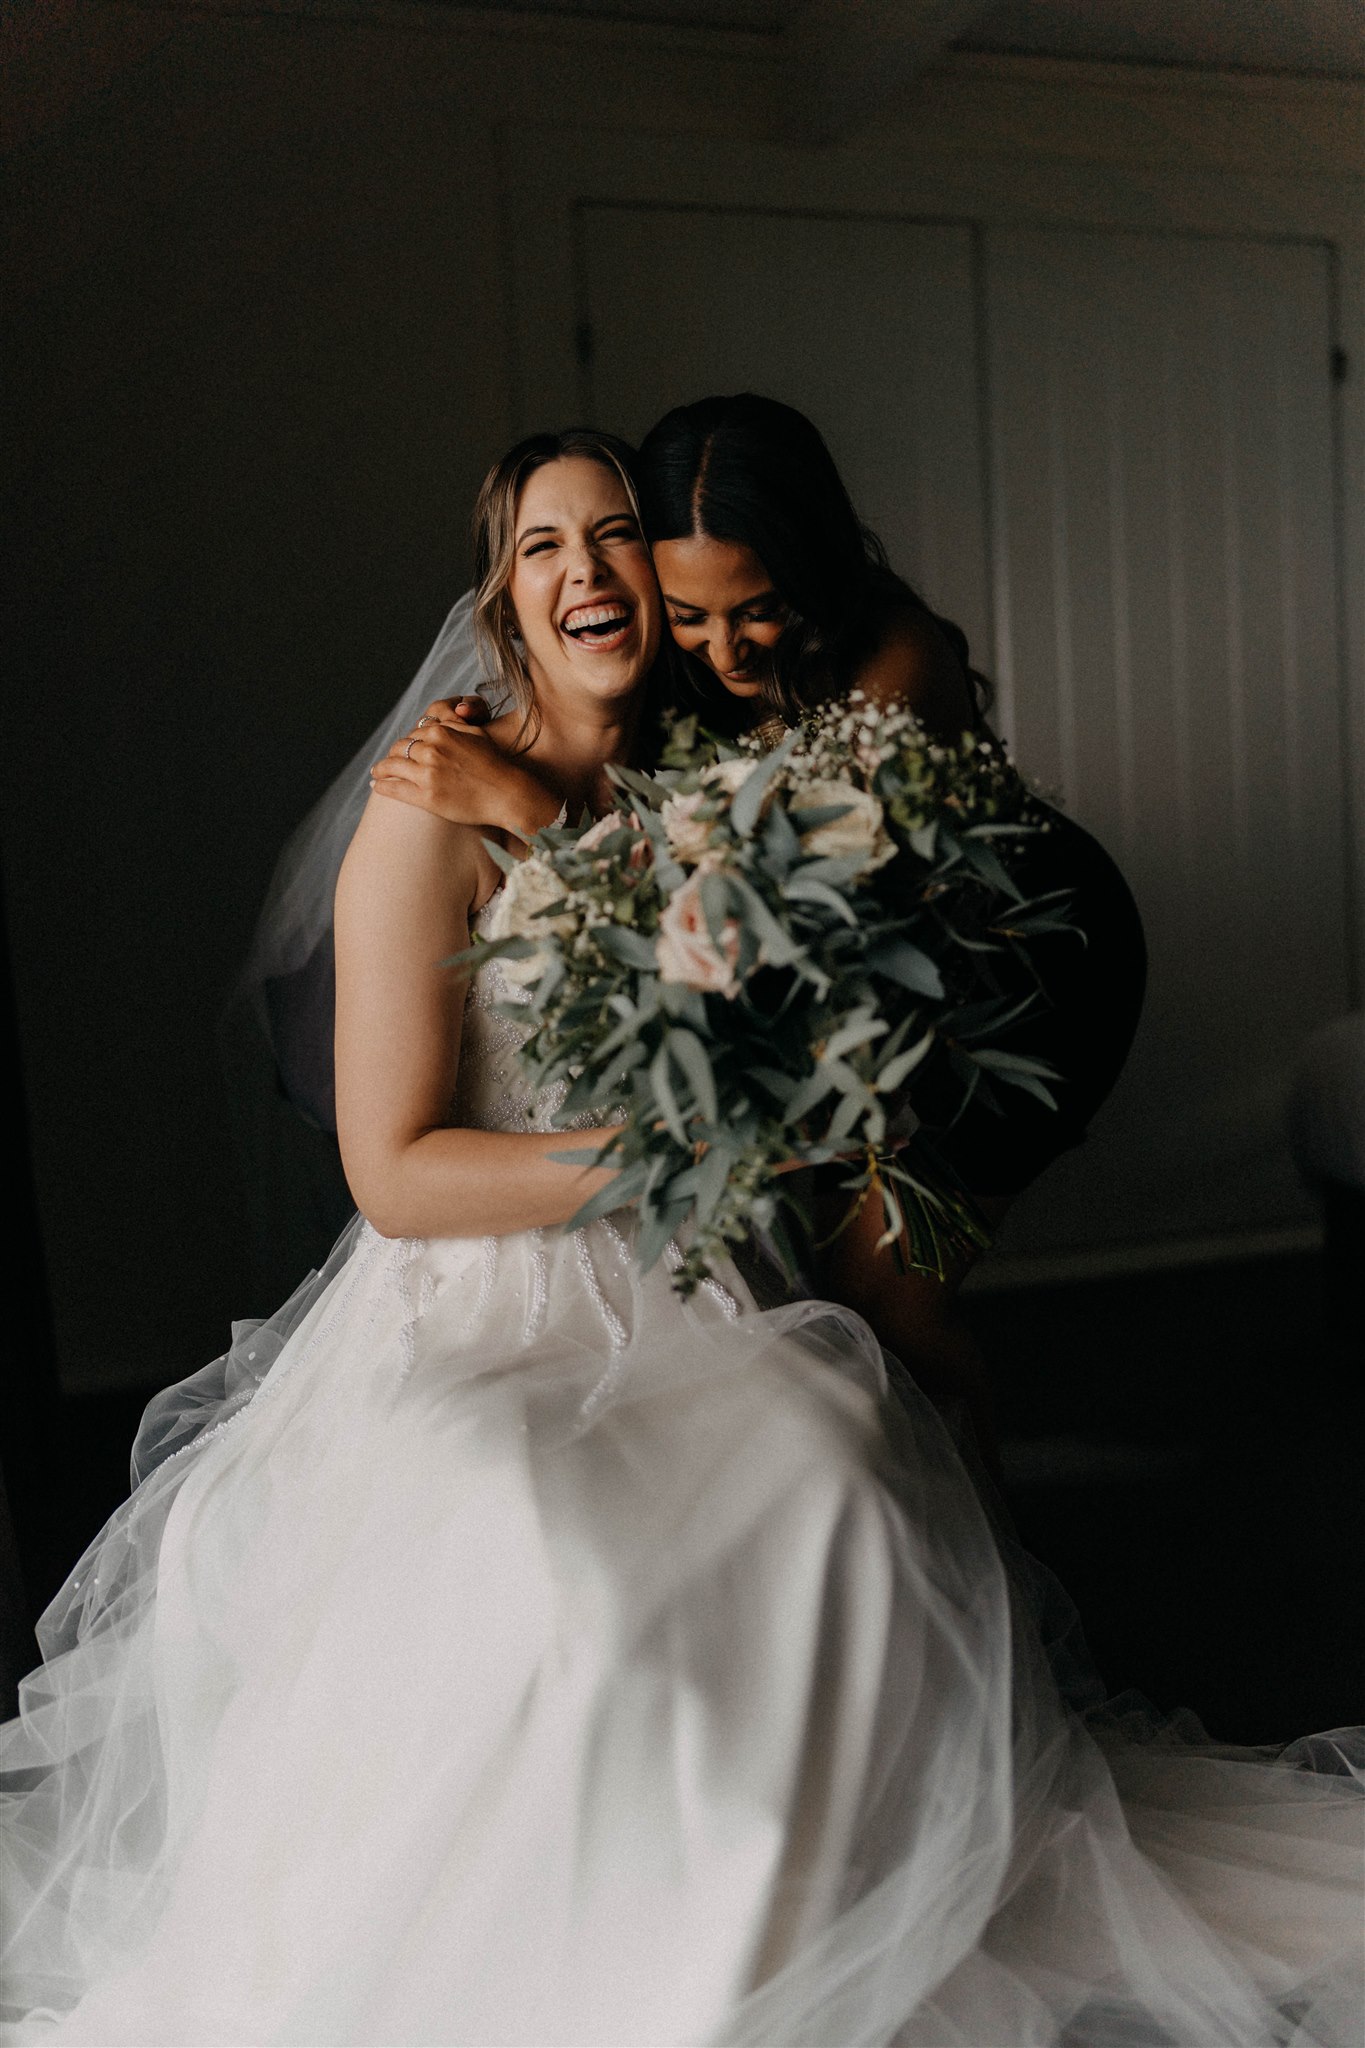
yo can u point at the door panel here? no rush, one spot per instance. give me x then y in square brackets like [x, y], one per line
[1166, 612]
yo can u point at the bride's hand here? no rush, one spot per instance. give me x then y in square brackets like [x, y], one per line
[447, 766]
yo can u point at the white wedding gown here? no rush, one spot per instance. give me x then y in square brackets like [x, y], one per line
[500, 1649]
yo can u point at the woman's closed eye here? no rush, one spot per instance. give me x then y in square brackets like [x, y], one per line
[611, 530]
[757, 615]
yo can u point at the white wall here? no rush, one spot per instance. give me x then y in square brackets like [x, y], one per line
[272, 320]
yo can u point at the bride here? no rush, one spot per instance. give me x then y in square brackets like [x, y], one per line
[502, 1649]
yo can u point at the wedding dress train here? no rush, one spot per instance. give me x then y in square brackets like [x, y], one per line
[500, 1649]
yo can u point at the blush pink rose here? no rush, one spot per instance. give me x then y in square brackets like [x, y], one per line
[686, 951]
[613, 822]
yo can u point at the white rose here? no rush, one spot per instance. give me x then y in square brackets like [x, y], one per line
[527, 893]
[688, 835]
[686, 951]
[860, 834]
[728, 775]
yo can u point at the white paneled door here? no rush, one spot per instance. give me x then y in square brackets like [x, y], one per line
[1165, 585]
[1125, 494]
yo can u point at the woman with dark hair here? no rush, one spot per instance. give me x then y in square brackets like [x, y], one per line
[779, 597]
[791, 598]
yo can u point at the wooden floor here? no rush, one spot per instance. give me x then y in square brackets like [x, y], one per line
[1184, 1450]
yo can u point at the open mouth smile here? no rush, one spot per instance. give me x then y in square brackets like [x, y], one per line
[603, 626]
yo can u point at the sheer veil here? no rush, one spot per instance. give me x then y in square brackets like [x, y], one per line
[287, 988]
[289, 979]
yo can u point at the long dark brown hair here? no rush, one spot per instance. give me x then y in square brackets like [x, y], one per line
[756, 472]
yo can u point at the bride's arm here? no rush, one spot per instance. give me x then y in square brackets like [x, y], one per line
[404, 898]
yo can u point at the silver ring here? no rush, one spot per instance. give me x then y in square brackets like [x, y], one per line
[407, 751]
[425, 719]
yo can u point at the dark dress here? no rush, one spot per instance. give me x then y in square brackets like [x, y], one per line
[1091, 981]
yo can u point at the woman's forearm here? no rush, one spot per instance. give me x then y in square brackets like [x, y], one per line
[460, 775]
[468, 1183]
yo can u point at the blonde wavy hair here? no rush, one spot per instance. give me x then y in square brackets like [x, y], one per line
[495, 550]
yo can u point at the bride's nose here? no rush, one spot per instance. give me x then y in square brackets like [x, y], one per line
[586, 565]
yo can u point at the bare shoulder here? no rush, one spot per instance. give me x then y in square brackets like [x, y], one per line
[914, 663]
[402, 858]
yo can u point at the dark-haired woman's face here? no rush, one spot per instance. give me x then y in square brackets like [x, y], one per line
[721, 607]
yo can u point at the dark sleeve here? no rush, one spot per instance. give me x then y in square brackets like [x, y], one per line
[1092, 984]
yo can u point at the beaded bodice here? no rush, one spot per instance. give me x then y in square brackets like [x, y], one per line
[492, 1091]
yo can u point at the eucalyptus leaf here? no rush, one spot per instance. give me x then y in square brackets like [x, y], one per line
[500, 857]
[666, 1100]
[1014, 1063]
[695, 1062]
[810, 817]
[645, 788]
[778, 947]
[836, 869]
[1031, 1085]
[809, 1094]
[627, 946]
[989, 866]
[804, 888]
[778, 1084]
[781, 846]
[713, 1173]
[907, 965]
[656, 1228]
[896, 1070]
[715, 903]
[846, 1115]
[861, 1029]
[744, 811]
[625, 1188]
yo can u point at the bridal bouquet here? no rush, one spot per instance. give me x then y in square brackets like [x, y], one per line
[750, 959]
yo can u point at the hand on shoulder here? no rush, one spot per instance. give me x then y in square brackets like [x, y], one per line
[456, 763]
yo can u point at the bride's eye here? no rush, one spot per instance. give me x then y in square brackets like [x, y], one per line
[537, 547]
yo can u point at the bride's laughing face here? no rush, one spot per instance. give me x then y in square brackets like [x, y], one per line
[582, 584]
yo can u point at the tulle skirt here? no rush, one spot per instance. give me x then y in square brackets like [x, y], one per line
[498, 1649]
